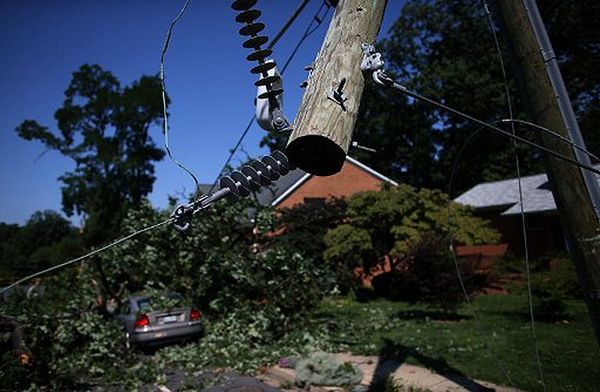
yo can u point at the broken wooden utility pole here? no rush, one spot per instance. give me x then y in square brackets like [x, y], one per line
[323, 128]
[548, 105]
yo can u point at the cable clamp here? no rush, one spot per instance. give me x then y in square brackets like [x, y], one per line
[371, 60]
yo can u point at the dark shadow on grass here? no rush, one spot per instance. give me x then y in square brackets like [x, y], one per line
[430, 314]
[393, 355]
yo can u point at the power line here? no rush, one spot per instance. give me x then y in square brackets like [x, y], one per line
[489, 126]
[164, 95]
[550, 132]
[307, 33]
[289, 22]
[521, 205]
[309, 30]
[87, 255]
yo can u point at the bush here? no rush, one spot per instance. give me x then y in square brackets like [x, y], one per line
[553, 287]
[412, 229]
[427, 276]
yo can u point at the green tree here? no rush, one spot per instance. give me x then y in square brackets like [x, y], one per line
[305, 224]
[104, 128]
[444, 49]
[394, 222]
[46, 239]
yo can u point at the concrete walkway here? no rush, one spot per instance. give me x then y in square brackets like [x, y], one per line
[408, 375]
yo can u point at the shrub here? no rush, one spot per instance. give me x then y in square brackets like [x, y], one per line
[412, 228]
[306, 224]
[427, 276]
[553, 286]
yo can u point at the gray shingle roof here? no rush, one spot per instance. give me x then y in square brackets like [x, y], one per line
[504, 195]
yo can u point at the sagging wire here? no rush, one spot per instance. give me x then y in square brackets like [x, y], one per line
[85, 256]
[372, 62]
[550, 132]
[382, 79]
[456, 265]
[521, 205]
[307, 33]
[164, 96]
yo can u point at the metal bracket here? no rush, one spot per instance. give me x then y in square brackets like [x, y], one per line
[364, 148]
[372, 63]
[182, 217]
[371, 60]
[337, 95]
[309, 68]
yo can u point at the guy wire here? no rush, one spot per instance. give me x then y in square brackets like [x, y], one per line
[521, 206]
[85, 256]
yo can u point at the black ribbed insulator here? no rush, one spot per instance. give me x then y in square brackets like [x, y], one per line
[259, 173]
[263, 68]
[252, 176]
[248, 16]
[271, 93]
[242, 183]
[283, 160]
[263, 172]
[259, 55]
[243, 5]
[229, 183]
[252, 29]
[268, 80]
[273, 167]
[255, 42]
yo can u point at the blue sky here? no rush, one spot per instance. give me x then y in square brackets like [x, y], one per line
[208, 80]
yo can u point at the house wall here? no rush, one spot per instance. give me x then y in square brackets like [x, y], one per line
[350, 180]
[544, 232]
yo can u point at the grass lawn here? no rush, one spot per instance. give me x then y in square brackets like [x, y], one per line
[569, 353]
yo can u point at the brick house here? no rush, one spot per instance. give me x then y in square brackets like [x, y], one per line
[498, 202]
[301, 187]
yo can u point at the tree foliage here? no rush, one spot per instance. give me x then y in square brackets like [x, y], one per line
[104, 128]
[46, 239]
[248, 300]
[304, 225]
[444, 50]
[408, 226]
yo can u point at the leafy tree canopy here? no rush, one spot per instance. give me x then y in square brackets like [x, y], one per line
[393, 221]
[444, 49]
[104, 128]
[46, 239]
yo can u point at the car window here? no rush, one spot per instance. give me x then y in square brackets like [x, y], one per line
[125, 308]
[144, 304]
[162, 302]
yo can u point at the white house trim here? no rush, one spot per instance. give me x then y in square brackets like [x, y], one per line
[306, 176]
[371, 171]
[291, 189]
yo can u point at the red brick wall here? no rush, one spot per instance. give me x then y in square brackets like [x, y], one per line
[350, 180]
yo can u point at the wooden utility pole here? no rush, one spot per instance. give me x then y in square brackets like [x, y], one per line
[541, 86]
[323, 128]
